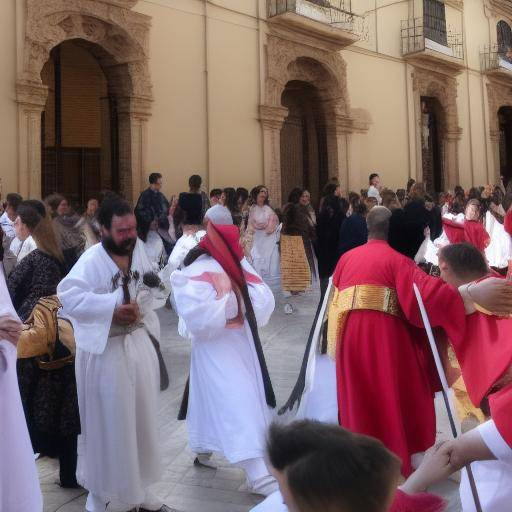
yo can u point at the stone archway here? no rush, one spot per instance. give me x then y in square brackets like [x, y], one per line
[120, 38]
[289, 61]
[499, 95]
[442, 87]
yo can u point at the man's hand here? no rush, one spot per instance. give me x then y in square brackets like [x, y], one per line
[434, 467]
[10, 329]
[493, 294]
[467, 448]
[127, 314]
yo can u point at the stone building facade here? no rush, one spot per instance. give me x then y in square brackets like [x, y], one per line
[95, 94]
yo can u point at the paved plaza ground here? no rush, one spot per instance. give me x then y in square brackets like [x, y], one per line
[191, 489]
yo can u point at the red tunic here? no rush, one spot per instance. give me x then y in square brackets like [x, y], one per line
[385, 370]
[470, 231]
[485, 355]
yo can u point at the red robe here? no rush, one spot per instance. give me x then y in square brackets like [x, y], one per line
[485, 355]
[385, 370]
[469, 231]
[422, 502]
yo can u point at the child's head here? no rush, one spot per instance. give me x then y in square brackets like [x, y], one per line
[324, 467]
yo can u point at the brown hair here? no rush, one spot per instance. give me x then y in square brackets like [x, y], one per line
[40, 227]
[53, 201]
[330, 469]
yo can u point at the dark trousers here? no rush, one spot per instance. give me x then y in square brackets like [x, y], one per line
[67, 461]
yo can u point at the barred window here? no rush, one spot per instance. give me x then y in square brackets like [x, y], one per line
[434, 21]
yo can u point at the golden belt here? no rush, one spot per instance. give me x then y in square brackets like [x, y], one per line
[360, 297]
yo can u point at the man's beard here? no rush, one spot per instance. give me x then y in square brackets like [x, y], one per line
[125, 248]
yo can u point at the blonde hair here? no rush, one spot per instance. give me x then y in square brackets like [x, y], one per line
[46, 240]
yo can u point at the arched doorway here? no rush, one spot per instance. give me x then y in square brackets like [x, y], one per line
[431, 145]
[303, 141]
[79, 126]
[107, 35]
[505, 143]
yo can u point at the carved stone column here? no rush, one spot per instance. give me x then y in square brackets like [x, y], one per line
[494, 136]
[272, 119]
[339, 128]
[31, 98]
[451, 158]
[133, 115]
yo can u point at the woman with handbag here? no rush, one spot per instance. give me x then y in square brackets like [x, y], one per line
[45, 357]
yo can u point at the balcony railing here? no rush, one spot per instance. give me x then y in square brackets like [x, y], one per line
[429, 33]
[337, 13]
[496, 58]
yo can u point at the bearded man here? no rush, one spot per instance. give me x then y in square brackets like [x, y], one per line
[117, 369]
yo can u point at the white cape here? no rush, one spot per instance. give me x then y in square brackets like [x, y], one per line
[19, 483]
[227, 410]
[117, 379]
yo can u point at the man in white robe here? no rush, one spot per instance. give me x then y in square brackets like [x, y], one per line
[229, 390]
[117, 369]
[19, 483]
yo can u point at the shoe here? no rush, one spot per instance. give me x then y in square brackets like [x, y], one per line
[265, 486]
[203, 460]
[163, 508]
[288, 309]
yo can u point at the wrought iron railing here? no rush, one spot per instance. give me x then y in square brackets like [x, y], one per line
[495, 57]
[337, 13]
[418, 34]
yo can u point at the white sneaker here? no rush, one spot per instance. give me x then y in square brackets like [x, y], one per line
[265, 486]
[288, 309]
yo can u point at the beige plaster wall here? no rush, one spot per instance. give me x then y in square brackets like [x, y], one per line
[8, 108]
[207, 64]
[385, 148]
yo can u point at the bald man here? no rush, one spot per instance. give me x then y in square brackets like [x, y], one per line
[385, 372]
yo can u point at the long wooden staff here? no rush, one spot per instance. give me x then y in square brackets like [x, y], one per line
[445, 388]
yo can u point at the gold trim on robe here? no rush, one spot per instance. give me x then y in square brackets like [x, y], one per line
[363, 296]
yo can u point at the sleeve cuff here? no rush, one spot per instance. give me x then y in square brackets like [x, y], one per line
[495, 442]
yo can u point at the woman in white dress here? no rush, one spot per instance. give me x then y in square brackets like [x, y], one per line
[264, 227]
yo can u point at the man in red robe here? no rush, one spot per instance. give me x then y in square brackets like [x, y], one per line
[384, 369]
[485, 357]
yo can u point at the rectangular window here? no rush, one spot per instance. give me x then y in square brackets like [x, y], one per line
[434, 21]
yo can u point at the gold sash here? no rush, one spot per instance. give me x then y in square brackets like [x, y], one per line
[363, 296]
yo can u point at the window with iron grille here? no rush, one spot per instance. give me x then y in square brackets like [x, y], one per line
[504, 40]
[434, 21]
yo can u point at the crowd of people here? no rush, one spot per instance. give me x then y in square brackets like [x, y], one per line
[81, 339]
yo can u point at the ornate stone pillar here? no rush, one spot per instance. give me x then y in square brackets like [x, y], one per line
[31, 98]
[133, 114]
[339, 128]
[494, 136]
[451, 158]
[272, 119]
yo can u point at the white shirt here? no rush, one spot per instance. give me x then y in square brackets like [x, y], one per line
[7, 226]
[374, 192]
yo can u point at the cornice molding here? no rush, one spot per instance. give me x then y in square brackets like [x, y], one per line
[498, 8]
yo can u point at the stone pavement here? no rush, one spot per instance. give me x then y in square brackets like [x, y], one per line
[191, 489]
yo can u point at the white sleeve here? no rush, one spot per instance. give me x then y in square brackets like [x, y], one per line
[495, 442]
[197, 305]
[90, 313]
[262, 298]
